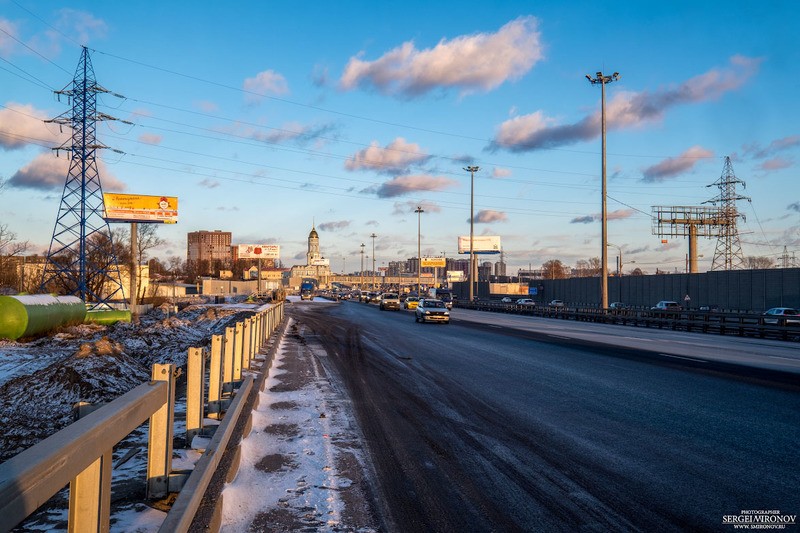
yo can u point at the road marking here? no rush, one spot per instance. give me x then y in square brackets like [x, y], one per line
[558, 337]
[681, 357]
[638, 339]
[494, 326]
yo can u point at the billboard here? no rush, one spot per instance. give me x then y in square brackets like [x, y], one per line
[432, 262]
[140, 208]
[321, 262]
[484, 244]
[259, 251]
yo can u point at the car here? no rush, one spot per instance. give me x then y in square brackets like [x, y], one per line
[389, 300]
[411, 302]
[556, 303]
[431, 310]
[527, 302]
[617, 305]
[506, 300]
[666, 305]
[790, 315]
[711, 307]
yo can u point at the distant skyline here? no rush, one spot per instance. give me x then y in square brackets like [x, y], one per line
[266, 118]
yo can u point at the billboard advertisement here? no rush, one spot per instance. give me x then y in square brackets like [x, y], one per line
[483, 244]
[321, 262]
[433, 262]
[259, 251]
[140, 208]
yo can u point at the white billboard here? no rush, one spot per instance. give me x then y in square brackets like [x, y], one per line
[483, 244]
[321, 262]
[259, 251]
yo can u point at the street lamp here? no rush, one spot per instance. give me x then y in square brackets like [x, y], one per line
[472, 170]
[373, 260]
[603, 80]
[361, 281]
[419, 212]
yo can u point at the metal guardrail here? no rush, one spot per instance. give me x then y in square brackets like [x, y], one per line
[722, 323]
[81, 454]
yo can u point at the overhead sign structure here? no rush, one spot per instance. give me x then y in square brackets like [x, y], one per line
[433, 262]
[259, 251]
[140, 208]
[484, 244]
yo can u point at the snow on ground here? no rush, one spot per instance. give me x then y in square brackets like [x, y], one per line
[298, 461]
[298, 464]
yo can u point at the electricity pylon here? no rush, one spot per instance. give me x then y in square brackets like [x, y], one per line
[81, 260]
[728, 254]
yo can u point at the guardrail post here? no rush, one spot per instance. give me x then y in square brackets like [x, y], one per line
[195, 394]
[246, 344]
[215, 376]
[259, 333]
[238, 352]
[90, 497]
[159, 447]
[227, 361]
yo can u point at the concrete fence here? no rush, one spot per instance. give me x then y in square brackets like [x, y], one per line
[80, 454]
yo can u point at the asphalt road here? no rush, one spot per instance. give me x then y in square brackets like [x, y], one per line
[491, 427]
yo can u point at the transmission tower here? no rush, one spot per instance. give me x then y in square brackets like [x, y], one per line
[728, 254]
[81, 260]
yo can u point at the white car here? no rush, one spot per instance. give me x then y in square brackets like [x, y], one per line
[556, 303]
[791, 317]
[506, 300]
[526, 302]
[431, 310]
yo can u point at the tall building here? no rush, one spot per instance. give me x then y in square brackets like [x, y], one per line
[211, 246]
[316, 267]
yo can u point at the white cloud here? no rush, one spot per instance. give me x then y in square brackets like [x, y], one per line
[407, 184]
[498, 172]
[487, 216]
[48, 172]
[151, 138]
[22, 125]
[481, 61]
[264, 83]
[394, 159]
[673, 166]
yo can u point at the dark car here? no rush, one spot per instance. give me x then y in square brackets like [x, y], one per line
[666, 305]
[431, 310]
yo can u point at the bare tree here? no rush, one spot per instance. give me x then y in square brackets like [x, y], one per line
[11, 261]
[753, 262]
[555, 269]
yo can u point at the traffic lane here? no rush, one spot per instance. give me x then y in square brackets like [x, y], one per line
[760, 353]
[563, 437]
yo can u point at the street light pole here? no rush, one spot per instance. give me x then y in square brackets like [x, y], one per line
[361, 280]
[373, 260]
[419, 212]
[603, 80]
[472, 170]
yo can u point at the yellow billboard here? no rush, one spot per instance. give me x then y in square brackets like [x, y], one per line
[140, 208]
[433, 262]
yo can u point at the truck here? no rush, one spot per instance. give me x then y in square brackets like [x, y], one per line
[445, 295]
[307, 290]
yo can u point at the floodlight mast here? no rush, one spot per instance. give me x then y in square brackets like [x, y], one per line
[472, 274]
[602, 80]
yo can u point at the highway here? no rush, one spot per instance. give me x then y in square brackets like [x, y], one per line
[508, 423]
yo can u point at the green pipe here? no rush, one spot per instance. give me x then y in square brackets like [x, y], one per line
[23, 316]
[108, 317]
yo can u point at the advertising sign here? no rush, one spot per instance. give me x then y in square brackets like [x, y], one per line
[455, 275]
[483, 244]
[140, 208]
[322, 262]
[433, 262]
[259, 251]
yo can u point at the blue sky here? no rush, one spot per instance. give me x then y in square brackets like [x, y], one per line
[263, 117]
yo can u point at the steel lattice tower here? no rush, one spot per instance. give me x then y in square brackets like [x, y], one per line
[81, 260]
[728, 254]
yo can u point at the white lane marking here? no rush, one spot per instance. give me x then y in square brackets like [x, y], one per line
[681, 357]
[638, 339]
[558, 337]
[495, 326]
